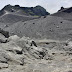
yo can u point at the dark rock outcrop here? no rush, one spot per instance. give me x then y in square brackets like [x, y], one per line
[67, 10]
[33, 11]
[5, 33]
[65, 13]
[62, 8]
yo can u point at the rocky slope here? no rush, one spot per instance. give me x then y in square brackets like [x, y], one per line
[55, 26]
[35, 55]
[51, 27]
[65, 13]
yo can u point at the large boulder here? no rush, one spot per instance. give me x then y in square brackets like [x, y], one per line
[2, 39]
[5, 33]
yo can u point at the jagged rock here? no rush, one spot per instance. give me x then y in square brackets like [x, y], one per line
[5, 33]
[14, 49]
[3, 39]
[19, 55]
[13, 38]
[33, 43]
[62, 8]
[3, 65]
[4, 57]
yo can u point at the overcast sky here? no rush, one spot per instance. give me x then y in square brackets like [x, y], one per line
[50, 5]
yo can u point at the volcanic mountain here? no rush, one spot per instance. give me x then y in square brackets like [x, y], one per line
[55, 26]
[12, 14]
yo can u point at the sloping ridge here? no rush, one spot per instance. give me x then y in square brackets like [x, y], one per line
[13, 18]
[13, 14]
[50, 27]
[33, 11]
[65, 13]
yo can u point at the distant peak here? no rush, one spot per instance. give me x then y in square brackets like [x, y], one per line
[17, 6]
[66, 10]
[38, 6]
[62, 8]
[8, 5]
[34, 11]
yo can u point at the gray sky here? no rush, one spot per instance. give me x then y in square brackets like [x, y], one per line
[50, 5]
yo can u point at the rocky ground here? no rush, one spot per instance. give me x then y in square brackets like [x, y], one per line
[35, 55]
[36, 44]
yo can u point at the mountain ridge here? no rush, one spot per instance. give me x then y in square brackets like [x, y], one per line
[65, 13]
[33, 11]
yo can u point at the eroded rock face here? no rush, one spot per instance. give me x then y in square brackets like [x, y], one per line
[34, 55]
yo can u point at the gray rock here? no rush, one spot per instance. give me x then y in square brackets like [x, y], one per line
[4, 57]
[3, 65]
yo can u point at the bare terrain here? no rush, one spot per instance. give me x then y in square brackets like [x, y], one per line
[35, 43]
[35, 55]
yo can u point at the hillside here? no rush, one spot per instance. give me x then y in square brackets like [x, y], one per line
[55, 26]
[12, 14]
[65, 13]
[50, 27]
